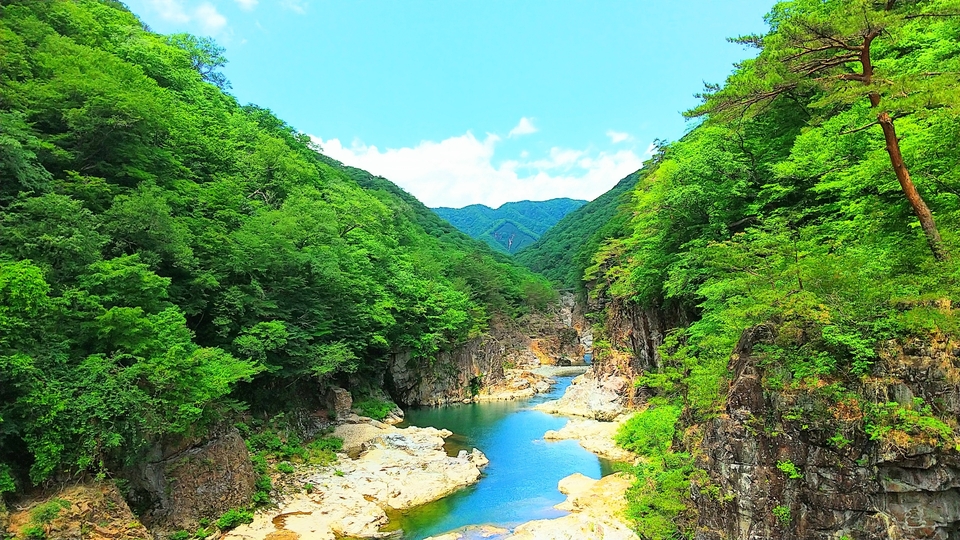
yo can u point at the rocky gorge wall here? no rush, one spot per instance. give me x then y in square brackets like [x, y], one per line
[456, 375]
[789, 464]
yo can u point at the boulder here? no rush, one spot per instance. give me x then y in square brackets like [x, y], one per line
[339, 402]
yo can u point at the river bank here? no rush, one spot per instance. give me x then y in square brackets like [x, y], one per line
[416, 481]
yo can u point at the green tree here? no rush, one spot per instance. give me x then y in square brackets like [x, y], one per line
[822, 47]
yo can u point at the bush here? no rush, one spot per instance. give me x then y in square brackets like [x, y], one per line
[649, 432]
[285, 467]
[179, 535]
[34, 532]
[234, 517]
[790, 469]
[782, 513]
[374, 408]
[48, 511]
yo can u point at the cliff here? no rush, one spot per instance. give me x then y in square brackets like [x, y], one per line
[797, 462]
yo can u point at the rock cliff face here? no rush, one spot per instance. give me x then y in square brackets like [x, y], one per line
[186, 480]
[458, 374]
[772, 473]
[640, 330]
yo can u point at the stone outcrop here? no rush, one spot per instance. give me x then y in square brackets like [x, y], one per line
[594, 436]
[383, 468]
[88, 511]
[517, 384]
[460, 374]
[641, 331]
[339, 402]
[844, 485]
[591, 396]
[183, 481]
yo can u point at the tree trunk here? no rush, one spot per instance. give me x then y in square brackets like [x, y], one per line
[920, 208]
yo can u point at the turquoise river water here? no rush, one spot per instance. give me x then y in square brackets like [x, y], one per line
[520, 483]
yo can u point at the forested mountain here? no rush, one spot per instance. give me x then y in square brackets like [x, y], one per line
[817, 206]
[168, 255]
[513, 225]
[564, 251]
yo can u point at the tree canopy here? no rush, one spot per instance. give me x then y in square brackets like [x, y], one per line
[168, 255]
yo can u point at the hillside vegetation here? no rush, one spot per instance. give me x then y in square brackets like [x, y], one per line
[820, 195]
[511, 227]
[565, 250]
[168, 256]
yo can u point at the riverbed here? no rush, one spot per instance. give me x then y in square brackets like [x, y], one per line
[520, 483]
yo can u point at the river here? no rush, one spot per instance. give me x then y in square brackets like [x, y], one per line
[520, 483]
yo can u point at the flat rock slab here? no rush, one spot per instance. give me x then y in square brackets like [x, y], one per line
[594, 436]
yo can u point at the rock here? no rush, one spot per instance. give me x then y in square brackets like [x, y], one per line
[596, 508]
[339, 401]
[393, 469]
[865, 489]
[590, 396]
[517, 384]
[94, 510]
[594, 436]
[184, 480]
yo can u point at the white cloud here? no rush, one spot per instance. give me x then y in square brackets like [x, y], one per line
[297, 6]
[210, 19]
[171, 10]
[247, 5]
[524, 127]
[205, 15]
[460, 170]
[617, 136]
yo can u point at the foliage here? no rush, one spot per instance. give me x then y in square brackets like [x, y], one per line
[233, 518]
[285, 467]
[789, 468]
[656, 502]
[564, 251]
[169, 257]
[374, 408]
[512, 226]
[649, 432]
[46, 512]
[782, 513]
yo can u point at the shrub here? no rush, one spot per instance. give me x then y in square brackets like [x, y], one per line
[782, 513]
[649, 432]
[374, 408]
[234, 517]
[34, 532]
[285, 467]
[179, 535]
[790, 469]
[48, 511]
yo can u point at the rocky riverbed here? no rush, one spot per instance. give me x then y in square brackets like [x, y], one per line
[382, 468]
[596, 508]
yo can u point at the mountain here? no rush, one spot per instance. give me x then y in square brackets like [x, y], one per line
[513, 225]
[564, 250]
[170, 257]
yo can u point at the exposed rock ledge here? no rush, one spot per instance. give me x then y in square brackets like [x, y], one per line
[393, 469]
[594, 436]
[590, 397]
[596, 507]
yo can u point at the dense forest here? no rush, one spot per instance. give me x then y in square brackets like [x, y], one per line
[565, 250]
[819, 195]
[512, 226]
[169, 256]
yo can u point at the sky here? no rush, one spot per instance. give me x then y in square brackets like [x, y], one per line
[481, 101]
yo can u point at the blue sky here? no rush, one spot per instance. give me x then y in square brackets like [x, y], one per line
[486, 101]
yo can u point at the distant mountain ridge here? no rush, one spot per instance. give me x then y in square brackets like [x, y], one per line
[514, 225]
[565, 251]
